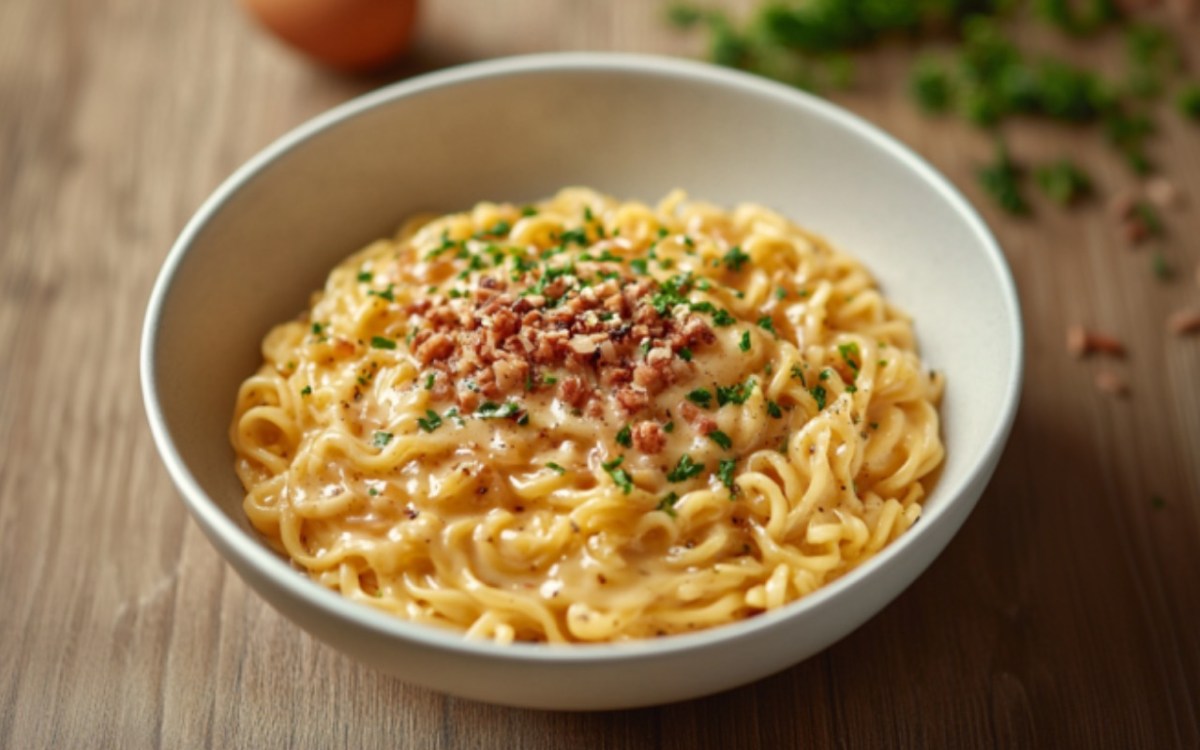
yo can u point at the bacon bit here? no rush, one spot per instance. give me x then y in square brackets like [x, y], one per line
[1122, 204]
[688, 411]
[437, 346]
[705, 424]
[1184, 321]
[1135, 232]
[596, 335]
[582, 345]
[573, 391]
[1081, 342]
[648, 437]
[468, 401]
[511, 373]
[632, 400]
[1111, 383]
[648, 377]
[343, 348]
[1162, 192]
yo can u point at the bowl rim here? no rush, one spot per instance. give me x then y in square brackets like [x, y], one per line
[253, 553]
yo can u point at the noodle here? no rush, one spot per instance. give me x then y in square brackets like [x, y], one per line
[588, 420]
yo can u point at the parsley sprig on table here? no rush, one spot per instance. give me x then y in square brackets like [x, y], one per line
[986, 77]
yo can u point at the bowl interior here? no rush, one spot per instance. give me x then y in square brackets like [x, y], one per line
[520, 130]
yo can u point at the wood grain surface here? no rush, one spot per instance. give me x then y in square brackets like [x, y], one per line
[1065, 614]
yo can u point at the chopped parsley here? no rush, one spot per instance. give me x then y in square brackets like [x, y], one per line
[685, 354]
[429, 382]
[625, 436]
[767, 324]
[735, 394]
[725, 468]
[306, 390]
[549, 379]
[667, 504]
[529, 211]
[619, 475]
[818, 393]
[555, 468]
[386, 294]
[492, 410]
[780, 293]
[639, 266]
[1002, 180]
[380, 439]
[774, 410]
[744, 341]
[723, 318]
[1161, 268]
[430, 422]
[379, 342]
[669, 427]
[499, 229]
[850, 354]
[735, 259]
[720, 439]
[1063, 182]
[365, 276]
[700, 397]
[685, 469]
[798, 374]
[578, 236]
[317, 329]
[1188, 102]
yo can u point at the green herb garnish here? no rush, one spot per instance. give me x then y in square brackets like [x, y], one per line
[818, 393]
[734, 259]
[723, 318]
[735, 394]
[725, 469]
[380, 439]
[685, 469]
[720, 439]
[430, 422]
[619, 475]
[379, 342]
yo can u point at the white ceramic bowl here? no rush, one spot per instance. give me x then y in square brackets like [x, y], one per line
[519, 129]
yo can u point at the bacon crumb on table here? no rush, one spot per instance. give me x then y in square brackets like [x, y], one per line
[1184, 321]
[1081, 342]
[1112, 383]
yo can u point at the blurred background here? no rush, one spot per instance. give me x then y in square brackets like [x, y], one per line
[1064, 614]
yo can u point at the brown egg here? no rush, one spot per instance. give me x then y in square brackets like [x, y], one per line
[352, 35]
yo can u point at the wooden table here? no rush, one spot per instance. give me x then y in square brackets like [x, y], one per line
[1066, 613]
